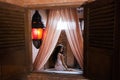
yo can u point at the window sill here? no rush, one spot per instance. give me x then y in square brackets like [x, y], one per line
[60, 75]
[52, 71]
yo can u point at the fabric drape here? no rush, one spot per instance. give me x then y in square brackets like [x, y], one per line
[50, 39]
[61, 19]
[73, 33]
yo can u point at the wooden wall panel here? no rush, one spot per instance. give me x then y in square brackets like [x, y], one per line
[12, 42]
[117, 39]
[12, 33]
[118, 9]
[0, 72]
[54, 76]
[32, 4]
[101, 27]
[100, 40]
[15, 2]
[45, 2]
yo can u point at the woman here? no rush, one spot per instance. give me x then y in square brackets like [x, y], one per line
[59, 58]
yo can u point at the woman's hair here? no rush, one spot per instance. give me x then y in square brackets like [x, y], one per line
[56, 51]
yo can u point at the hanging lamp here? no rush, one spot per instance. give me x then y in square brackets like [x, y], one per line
[37, 29]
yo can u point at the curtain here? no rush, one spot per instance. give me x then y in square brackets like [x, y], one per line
[50, 39]
[73, 33]
[61, 19]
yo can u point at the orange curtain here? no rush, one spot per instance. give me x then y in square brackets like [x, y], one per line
[74, 34]
[61, 19]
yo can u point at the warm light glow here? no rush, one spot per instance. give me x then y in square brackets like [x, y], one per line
[34, 33]
[37, 33]
[40, 32]
[63, 25]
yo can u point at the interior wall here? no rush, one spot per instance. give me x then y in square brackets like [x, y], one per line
[43, 14]
[69, 58]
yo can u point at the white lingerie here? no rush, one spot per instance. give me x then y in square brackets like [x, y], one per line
[59, 66]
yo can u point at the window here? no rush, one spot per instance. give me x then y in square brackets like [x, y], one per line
[69, 58]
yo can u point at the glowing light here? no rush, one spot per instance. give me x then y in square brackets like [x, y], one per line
[40, 33]
[64, 25]
[61, 25]
[37, 33]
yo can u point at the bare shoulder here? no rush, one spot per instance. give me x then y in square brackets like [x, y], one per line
[59, 54]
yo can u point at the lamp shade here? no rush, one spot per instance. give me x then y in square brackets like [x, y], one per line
[37, 33]
[37, 29]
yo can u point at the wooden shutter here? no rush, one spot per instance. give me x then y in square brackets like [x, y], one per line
[12, 42]
[100, 40]
[12, 34]
[101, 26]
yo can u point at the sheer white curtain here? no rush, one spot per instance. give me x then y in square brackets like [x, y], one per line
[74, 34]
[61, 19]
[50, 39]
